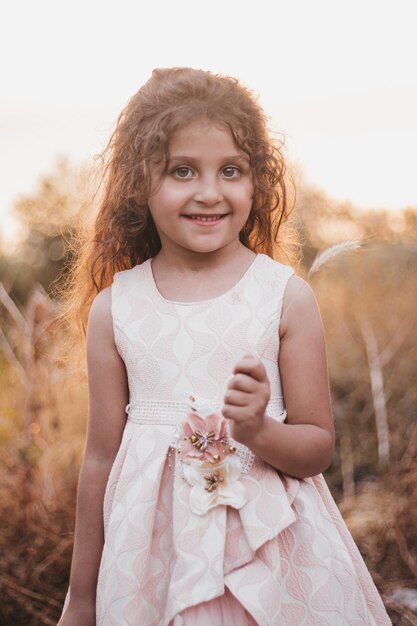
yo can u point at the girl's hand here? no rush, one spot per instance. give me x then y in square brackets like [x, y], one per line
[246, 399]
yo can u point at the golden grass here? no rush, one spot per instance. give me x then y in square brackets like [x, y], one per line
[39, 472]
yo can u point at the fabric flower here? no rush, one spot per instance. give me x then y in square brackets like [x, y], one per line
[204, 438]
[214, 484]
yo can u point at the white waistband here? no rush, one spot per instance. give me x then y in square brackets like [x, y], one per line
[171, 412]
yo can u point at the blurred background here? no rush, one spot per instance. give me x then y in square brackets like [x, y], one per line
[339, 83]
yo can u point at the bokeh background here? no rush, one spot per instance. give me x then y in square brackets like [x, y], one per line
[338, 81]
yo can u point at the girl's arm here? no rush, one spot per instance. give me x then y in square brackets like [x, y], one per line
[108, 396]
[303, 445]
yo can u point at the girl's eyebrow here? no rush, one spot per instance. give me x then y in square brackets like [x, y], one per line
[183, 157]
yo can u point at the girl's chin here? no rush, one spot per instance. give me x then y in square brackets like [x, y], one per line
[202, 243]
[211, 247]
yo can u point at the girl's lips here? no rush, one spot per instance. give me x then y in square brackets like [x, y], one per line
[205, 220]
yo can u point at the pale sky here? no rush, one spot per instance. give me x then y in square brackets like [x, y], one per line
[338, 78]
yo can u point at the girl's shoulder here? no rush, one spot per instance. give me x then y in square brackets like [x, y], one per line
[100, 306]
[100, 326]
[299, 308]
[290, 295]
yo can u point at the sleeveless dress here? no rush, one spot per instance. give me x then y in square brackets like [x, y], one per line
[284, 556]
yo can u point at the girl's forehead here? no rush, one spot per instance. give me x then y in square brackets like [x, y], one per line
[201, 135]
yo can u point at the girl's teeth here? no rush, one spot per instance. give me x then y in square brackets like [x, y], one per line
[205, 218]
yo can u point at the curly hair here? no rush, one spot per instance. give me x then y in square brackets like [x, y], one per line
[124, 233]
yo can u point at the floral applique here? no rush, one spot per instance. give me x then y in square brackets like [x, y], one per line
[214, 484]
[204, 438]
[209, 462]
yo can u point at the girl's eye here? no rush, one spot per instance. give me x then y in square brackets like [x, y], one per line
[231, 171]
[183, 172]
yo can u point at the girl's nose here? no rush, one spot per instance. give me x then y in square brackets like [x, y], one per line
[209, 192]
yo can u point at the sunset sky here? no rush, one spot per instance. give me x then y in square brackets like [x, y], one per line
[338, 78]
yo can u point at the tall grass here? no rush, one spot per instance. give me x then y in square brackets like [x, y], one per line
[42, 423]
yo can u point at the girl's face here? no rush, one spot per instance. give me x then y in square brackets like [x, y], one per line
[204, 200]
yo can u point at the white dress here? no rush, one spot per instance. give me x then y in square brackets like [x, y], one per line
[285, 557]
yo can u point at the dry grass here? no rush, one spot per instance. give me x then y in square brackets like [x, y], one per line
[37, 500]
[381, 517]
[42, 428]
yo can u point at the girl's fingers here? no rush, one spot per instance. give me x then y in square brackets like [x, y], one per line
[252, 366]
[236, 398]
[242, 382]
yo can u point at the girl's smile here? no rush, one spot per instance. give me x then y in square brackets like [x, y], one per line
[206, 220]
[203, 201]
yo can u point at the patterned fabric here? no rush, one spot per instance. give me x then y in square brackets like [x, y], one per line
[286, 557]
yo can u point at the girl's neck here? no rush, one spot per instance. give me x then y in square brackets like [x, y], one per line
[189, 262]
[197, 277]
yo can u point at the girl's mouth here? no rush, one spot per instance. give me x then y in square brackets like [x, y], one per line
[206, 220]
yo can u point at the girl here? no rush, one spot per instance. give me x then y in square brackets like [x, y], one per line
[209, 415]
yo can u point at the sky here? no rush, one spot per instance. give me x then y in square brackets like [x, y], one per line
[337, 78]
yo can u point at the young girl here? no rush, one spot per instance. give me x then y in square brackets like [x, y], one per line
[209, 415]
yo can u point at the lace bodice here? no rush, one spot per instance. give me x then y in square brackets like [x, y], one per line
[173, 348]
